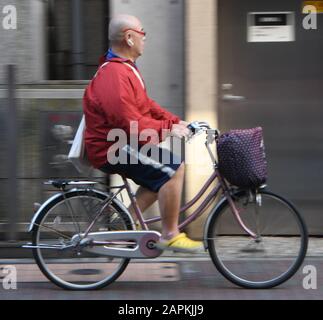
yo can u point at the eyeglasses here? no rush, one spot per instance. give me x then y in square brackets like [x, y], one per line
[143, 33]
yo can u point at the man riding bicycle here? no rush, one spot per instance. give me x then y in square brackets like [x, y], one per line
[115, 98]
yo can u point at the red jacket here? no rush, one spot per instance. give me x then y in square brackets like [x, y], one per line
[113, 99]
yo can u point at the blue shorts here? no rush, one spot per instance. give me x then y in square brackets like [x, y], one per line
[150, 170]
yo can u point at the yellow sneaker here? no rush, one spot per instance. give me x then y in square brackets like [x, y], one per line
[181, 243]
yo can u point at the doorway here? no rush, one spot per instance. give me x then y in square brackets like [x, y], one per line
[276, 83]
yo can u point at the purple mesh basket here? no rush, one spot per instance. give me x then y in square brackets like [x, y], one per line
[242, 159]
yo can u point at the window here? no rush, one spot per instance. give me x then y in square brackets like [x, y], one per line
[73, 52]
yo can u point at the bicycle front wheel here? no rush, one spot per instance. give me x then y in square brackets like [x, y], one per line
[68, 266]
[267, 260]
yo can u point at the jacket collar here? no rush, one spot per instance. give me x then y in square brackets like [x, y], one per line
[104, 59]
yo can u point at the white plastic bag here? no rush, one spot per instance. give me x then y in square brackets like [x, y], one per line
[77, 154]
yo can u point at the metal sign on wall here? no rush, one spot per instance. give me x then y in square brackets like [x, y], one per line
[270, 27]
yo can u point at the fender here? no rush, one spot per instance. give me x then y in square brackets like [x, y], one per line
[61, 194]
[42, 207]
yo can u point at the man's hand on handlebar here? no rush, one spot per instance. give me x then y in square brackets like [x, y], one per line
[180, 130]
[188, 130]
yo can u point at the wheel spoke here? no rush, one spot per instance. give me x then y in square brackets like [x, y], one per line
[54, 230]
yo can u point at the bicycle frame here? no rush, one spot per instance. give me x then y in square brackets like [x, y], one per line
[221, 185]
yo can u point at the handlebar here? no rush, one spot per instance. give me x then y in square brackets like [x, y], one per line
[198, 127]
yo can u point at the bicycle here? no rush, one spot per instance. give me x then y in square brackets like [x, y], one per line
[83, 238]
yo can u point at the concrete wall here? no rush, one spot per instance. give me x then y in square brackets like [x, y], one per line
[25, 46]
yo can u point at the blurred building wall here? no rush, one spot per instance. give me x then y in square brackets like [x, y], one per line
[25, 46]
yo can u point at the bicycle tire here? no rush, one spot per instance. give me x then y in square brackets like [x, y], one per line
[230, 241]
[73, 194]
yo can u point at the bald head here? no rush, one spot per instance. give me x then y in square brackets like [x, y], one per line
[118, 24]
[127, 36]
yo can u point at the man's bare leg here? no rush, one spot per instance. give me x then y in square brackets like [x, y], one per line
[169, 198]
[145, 198]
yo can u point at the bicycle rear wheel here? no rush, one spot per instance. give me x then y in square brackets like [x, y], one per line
[274, 256]
[57, 227]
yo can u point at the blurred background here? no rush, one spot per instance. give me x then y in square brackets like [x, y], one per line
[233, 63]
